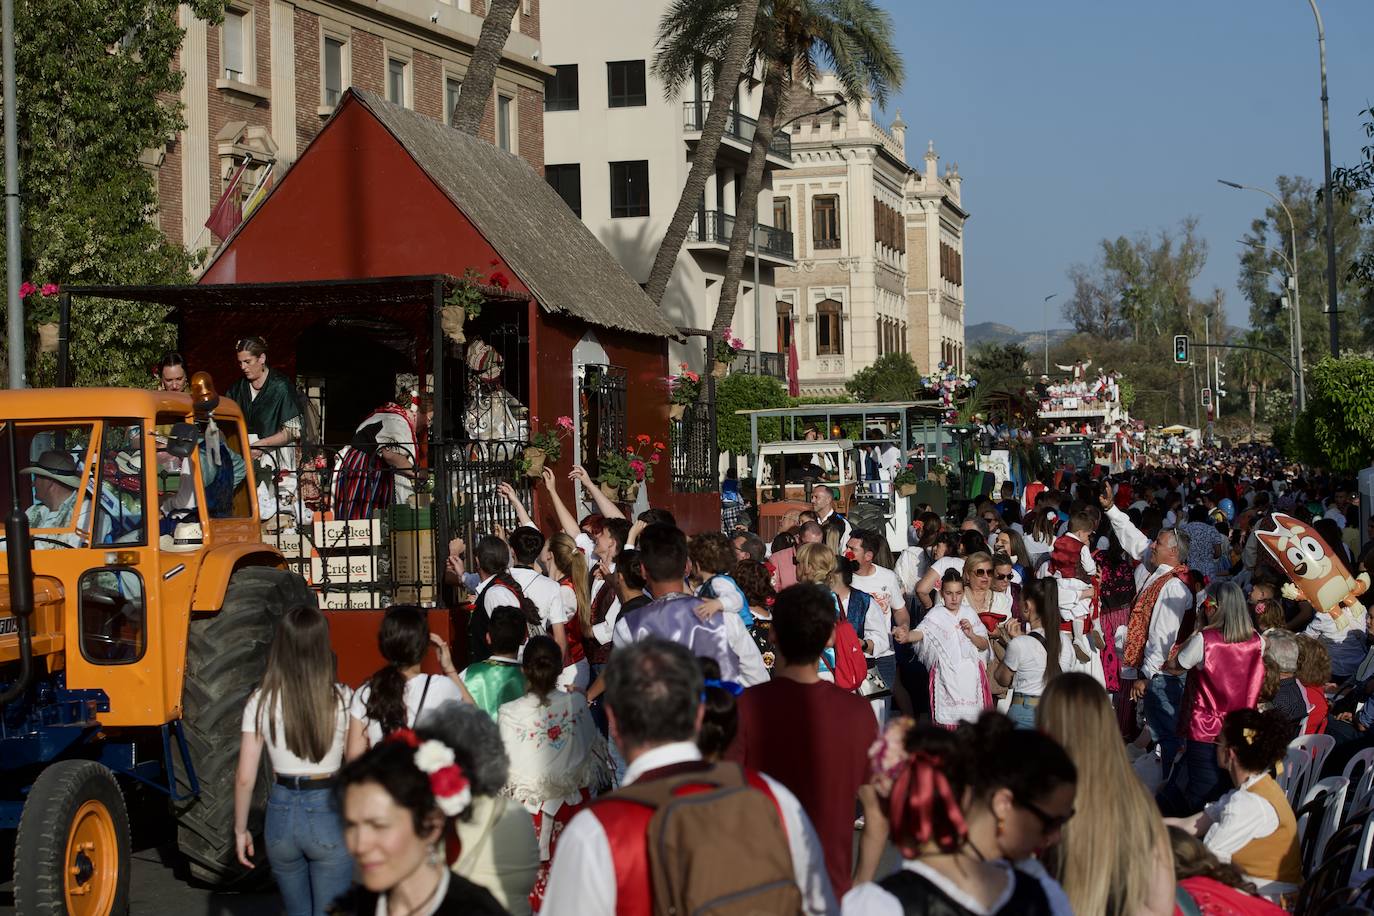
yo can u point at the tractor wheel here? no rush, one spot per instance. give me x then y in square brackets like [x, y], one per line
[72, 853]
[226, 655]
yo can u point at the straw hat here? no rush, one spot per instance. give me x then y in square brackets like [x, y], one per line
[58, 466]
[187, 536]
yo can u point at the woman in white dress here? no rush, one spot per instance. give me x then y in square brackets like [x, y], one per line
[952, 643]
[558, 759]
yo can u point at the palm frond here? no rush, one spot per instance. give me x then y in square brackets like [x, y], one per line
[692, 33]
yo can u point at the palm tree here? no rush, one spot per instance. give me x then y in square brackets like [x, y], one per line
[794, 40]
[672, 65]
[1258, 371]
[472, 98]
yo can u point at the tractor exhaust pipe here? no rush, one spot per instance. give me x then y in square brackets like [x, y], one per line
[20, 570]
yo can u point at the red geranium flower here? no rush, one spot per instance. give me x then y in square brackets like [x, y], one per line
[498, 280]
[642, 439]
[659, 446]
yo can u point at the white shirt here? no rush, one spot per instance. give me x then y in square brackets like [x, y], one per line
[440, 690]
[1346, 644]
[543, 591]
[1336, 515]
[582, 880]
[912, 564]
[848, 530]
[1028, 659]
[1238, 817]
[878, 622]
[284, 762]
[1174, 600]
[499, 596]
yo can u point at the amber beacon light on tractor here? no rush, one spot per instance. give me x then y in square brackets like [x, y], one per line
[136, 610]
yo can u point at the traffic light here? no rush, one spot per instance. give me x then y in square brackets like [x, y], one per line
[1221, 380]
[1207, 397]
[1180, 348]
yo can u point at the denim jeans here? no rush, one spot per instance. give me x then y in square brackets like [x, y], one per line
[1162, 699]
[1196, 781]
[1021, 715]
[305, 846]
[887, 670]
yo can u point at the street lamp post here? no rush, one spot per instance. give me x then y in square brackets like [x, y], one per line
[1297, 301]
[1326, 194]
[13, 264]
[1047, 331]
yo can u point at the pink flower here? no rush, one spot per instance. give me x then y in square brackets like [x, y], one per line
[653, 459]
[682, 365]
[693, 376]
[26, 289]
[564, 423]
[554, 732]
[50, 289]
[638, 468]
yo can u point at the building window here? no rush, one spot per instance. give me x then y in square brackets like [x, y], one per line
[602, 410]
[236, 45]
[782, 213]
[397, 76]
[625, 79]
[829, 328]
[825, 228]
[567, 181]
[451, 89]
[951, 264]
[560, 90]
[332, 85]
[505, 127]
[630, 188]
[784, 325]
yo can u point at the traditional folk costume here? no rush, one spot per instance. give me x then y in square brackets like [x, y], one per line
[365, 481]
[494, 682]
[959, 689]
[558, 762]
[1071, 562]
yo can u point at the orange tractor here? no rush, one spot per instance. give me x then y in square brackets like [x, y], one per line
[135, 617]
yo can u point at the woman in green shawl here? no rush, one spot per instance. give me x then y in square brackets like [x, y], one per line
[268, 401]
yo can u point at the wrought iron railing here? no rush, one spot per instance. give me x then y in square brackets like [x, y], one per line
[718, 226]
[739, 126]
[774, 364]
[366, 534]
[694, 454]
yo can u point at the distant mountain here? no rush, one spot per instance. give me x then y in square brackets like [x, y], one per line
[991, 332]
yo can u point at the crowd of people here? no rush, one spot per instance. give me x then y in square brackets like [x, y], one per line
[1072, 699]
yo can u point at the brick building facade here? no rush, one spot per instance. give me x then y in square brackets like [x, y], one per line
[260, 85]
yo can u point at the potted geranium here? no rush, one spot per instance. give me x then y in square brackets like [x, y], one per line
[546, 446]
[727, 349]
[940, 471]
[906, 479]
[621, 473]
[683, 389]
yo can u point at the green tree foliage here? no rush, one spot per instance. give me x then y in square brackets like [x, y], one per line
[891, 377]
[1339, 420]
[746, 392]
[1140, 287]
[1264, 269]
[98, 86]
[1154, 388]
[1355, 189]
[1000, 367]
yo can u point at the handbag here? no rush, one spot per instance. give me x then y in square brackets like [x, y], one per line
[873, 686]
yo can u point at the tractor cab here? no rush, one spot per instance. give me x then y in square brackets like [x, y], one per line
[135, 614]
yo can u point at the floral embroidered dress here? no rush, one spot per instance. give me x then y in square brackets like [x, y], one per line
[558, 761]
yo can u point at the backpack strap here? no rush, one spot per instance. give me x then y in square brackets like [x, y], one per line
[423, 693]
[1038, 637]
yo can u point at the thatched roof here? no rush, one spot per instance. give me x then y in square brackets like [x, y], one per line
[553, 253]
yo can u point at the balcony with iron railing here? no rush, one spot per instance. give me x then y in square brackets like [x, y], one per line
[739, 128]
[774, 364]
[714, 228]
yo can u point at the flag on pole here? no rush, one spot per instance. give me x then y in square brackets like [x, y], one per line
[260, 192]
[227, 214]
[793, 383]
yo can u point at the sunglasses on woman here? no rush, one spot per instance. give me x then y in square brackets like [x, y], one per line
[1049, 823]
[982, 572]
[1002, 577]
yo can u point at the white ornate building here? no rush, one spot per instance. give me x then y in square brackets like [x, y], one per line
[879, 246]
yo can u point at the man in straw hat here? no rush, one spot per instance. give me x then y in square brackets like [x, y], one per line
[56, 479]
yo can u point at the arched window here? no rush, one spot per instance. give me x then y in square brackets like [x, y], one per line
[784, 325]
[829, 328]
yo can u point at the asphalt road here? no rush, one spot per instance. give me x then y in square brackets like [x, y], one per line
[159, 885]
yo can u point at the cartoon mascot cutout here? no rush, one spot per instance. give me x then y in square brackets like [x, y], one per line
[1316, 572]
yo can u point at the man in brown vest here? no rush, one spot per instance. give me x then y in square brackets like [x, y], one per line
[1160, 606]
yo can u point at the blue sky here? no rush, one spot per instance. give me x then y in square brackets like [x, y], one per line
[1074, 120]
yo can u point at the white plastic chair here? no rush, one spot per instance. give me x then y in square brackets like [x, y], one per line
[1329, 819]
[1360, 865]
[1360, 771]
[1296, 762]
[1316, 747]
